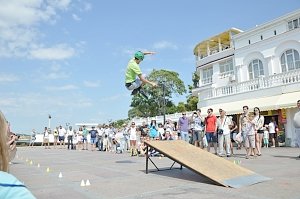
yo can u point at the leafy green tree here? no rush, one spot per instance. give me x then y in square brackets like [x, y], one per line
[169, 84]
[181, 107]
[192, 101]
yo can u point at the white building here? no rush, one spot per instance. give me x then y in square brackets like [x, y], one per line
[259, 67]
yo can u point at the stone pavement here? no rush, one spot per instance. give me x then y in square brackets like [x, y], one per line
[121, 176]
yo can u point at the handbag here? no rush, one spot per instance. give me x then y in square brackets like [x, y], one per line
[239, 138]
[220, 131]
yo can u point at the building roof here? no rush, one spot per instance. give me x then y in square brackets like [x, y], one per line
[213, 41]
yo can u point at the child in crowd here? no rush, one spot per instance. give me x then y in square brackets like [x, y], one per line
[105, 143]
[250, 136]
[266, 137]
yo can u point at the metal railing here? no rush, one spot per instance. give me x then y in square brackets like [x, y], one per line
[255, 84]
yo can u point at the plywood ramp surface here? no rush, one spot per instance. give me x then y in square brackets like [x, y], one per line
[216, 168]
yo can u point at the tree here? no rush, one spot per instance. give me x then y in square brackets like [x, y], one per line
[192, 101]
[181, 107]
[196, 79]
[154, 105]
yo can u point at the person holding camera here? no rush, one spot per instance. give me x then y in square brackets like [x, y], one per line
[198, 131]
[224, 123]
[10, 186]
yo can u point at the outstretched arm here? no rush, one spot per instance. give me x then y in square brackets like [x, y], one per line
[149, 53]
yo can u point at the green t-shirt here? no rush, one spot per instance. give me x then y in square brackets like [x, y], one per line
[133, 69]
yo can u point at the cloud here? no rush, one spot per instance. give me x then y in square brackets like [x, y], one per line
[91, 84]
[58, 52]
[19, 22]
[165, 45]
[76, 17]
[8, 78]
[62, 88]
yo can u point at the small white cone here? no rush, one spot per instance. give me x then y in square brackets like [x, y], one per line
[60, 175]
[48, 170]
[39, 165]
[82, 184]
[31, 162]
[159, 158]
[87, 183]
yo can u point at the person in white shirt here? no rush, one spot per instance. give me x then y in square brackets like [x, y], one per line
[161, 131]
[224, 123]
[198, 131]
[272, 131]
[133, 137]
[259, 124]
[249, 130]
[296, 122]
[61, 136]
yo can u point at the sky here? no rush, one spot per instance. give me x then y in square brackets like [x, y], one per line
[67, 58]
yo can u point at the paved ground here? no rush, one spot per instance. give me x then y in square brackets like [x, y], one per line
[120, 176]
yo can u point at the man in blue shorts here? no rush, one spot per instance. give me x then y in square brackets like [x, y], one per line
[134, 79]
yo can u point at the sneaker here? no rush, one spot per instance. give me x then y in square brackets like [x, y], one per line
[143, 93]
[135, 91]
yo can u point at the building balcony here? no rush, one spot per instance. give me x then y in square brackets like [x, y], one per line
[214, 56]
[272, 81]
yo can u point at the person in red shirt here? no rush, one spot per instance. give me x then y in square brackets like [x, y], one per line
[211, 129]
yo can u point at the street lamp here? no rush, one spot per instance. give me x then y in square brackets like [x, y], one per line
[49, 121]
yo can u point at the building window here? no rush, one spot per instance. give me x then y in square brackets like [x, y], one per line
[290, 60]
[207, 75]
[255, 69]
[295, 23]
[226, 68]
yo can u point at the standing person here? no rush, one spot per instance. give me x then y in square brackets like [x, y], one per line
[183, 127]
[198, 132]
[132, 138]
[233, 133]
[94, 134]
[211, 130]
[266, 137]
[272, 132]
[55, 137]
[296, 121]
[242, 123]
[249, 131]
[79, 138]
[85, 132]
[70, 134]
[224, 123]
[259, 125]
[33, 138]
[133, 70]
[10, 186]
[61, 136]
[46, 138]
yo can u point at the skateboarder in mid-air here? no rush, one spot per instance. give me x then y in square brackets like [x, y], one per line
[134, 79]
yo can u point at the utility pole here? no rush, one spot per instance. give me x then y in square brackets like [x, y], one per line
[49, 121]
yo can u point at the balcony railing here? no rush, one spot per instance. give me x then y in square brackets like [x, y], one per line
[256, 84]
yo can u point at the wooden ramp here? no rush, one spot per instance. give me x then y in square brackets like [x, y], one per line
[202, 162]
